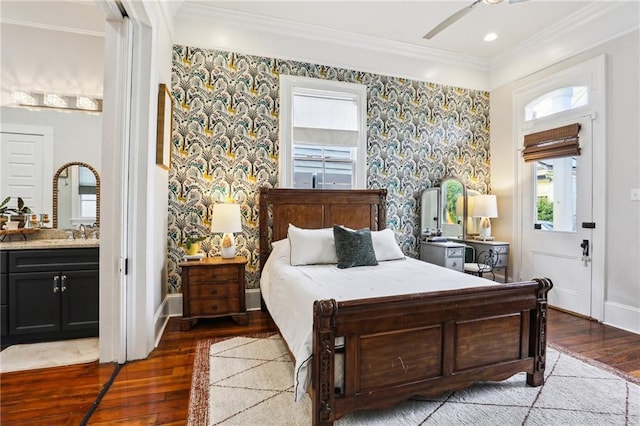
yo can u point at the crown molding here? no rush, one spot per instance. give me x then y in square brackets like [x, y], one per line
[592, 26]
[287, 28]
[41, 26]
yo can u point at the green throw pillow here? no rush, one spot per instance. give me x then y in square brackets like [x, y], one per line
[354, 248]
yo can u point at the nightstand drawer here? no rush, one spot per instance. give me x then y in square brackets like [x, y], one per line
[214, 306]
[205, 275]
[212, 291]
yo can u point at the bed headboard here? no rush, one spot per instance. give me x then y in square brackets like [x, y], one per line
[318, 208]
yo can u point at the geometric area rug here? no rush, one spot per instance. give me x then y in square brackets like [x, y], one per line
[249, 381]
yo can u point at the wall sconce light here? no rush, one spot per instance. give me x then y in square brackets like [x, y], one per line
[49, 100]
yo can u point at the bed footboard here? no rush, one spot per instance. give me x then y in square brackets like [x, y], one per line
[424, 344]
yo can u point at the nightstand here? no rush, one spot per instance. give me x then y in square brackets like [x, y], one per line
[443, 253]
[213, 287]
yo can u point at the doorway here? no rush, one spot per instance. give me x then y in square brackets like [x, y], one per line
[560, 199]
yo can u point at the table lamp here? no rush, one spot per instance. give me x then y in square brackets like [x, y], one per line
[485, 206]
[226, 219]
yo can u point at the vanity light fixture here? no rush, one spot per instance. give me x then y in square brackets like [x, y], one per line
[24, 98]
[50, 100]
[87, 103]
[55, 100]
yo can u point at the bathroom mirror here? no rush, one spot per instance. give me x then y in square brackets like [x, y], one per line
[452, 208]
[76, 196]
[429, 208]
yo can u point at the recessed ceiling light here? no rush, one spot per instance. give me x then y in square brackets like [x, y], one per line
[490, 37]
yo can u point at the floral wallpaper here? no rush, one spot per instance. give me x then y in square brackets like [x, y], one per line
[225, 144]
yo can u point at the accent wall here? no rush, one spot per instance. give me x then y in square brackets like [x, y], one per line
[225, 144]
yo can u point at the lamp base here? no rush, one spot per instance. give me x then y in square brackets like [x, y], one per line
[485, 228]
[228, 247]
[229, 252]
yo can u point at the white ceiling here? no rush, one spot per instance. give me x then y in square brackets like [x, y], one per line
[409, 21]
[397, 26]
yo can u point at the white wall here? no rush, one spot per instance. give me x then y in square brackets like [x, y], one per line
[46, 60]
[77, 136]
[622, 277]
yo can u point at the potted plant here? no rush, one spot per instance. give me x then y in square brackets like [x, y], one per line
[20, 213]
[192, 244]
[17, 214]
[4, 209]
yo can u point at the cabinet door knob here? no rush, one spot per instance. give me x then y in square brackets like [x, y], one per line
[55, 284]
[64, 283]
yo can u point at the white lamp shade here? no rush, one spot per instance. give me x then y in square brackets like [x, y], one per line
[485, 205]
[226, 218]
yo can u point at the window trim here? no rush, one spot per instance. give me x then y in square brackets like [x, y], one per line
[288, 84]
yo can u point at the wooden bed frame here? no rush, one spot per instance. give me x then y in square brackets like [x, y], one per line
[412, 345]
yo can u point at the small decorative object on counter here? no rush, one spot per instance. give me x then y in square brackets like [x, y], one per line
[33, 221]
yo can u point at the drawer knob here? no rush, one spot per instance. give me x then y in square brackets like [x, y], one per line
[214, 307]
[214, 291]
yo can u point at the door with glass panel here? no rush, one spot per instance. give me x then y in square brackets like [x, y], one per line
[557, 223]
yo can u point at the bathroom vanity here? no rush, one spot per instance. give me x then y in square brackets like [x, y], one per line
[49, 290]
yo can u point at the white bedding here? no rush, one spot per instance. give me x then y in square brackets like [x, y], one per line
[289, 293]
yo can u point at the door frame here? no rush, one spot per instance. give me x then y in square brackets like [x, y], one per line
[592, 73]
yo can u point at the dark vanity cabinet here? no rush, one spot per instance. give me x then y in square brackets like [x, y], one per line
[4, 294]
[52, 294]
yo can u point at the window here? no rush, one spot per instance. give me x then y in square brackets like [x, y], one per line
[557, 101]
[556, 196]
[322, 134]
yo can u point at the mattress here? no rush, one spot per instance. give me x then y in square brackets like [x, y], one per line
[290, 291]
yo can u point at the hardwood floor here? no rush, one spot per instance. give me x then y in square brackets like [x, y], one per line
[155, 391]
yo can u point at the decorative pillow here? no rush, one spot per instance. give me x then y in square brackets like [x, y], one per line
[385, 245]
[354, 248]
[311, 246]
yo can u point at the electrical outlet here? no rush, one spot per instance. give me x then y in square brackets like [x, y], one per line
[635, 194]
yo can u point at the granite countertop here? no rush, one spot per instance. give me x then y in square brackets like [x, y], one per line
[47, 239]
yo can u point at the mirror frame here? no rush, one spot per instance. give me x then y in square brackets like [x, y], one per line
[443, 203]
[423, 195]
[55, 189]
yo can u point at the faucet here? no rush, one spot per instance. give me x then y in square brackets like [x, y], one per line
[83, 231]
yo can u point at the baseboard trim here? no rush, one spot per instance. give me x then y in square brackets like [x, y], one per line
[622, 316]
[160, 320]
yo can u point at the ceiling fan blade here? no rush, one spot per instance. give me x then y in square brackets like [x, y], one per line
[451, 19]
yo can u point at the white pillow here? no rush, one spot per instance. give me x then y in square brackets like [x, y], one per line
[385, 245]
[311, 246]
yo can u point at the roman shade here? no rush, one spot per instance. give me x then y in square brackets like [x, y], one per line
[553, 143]
[325, 121]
